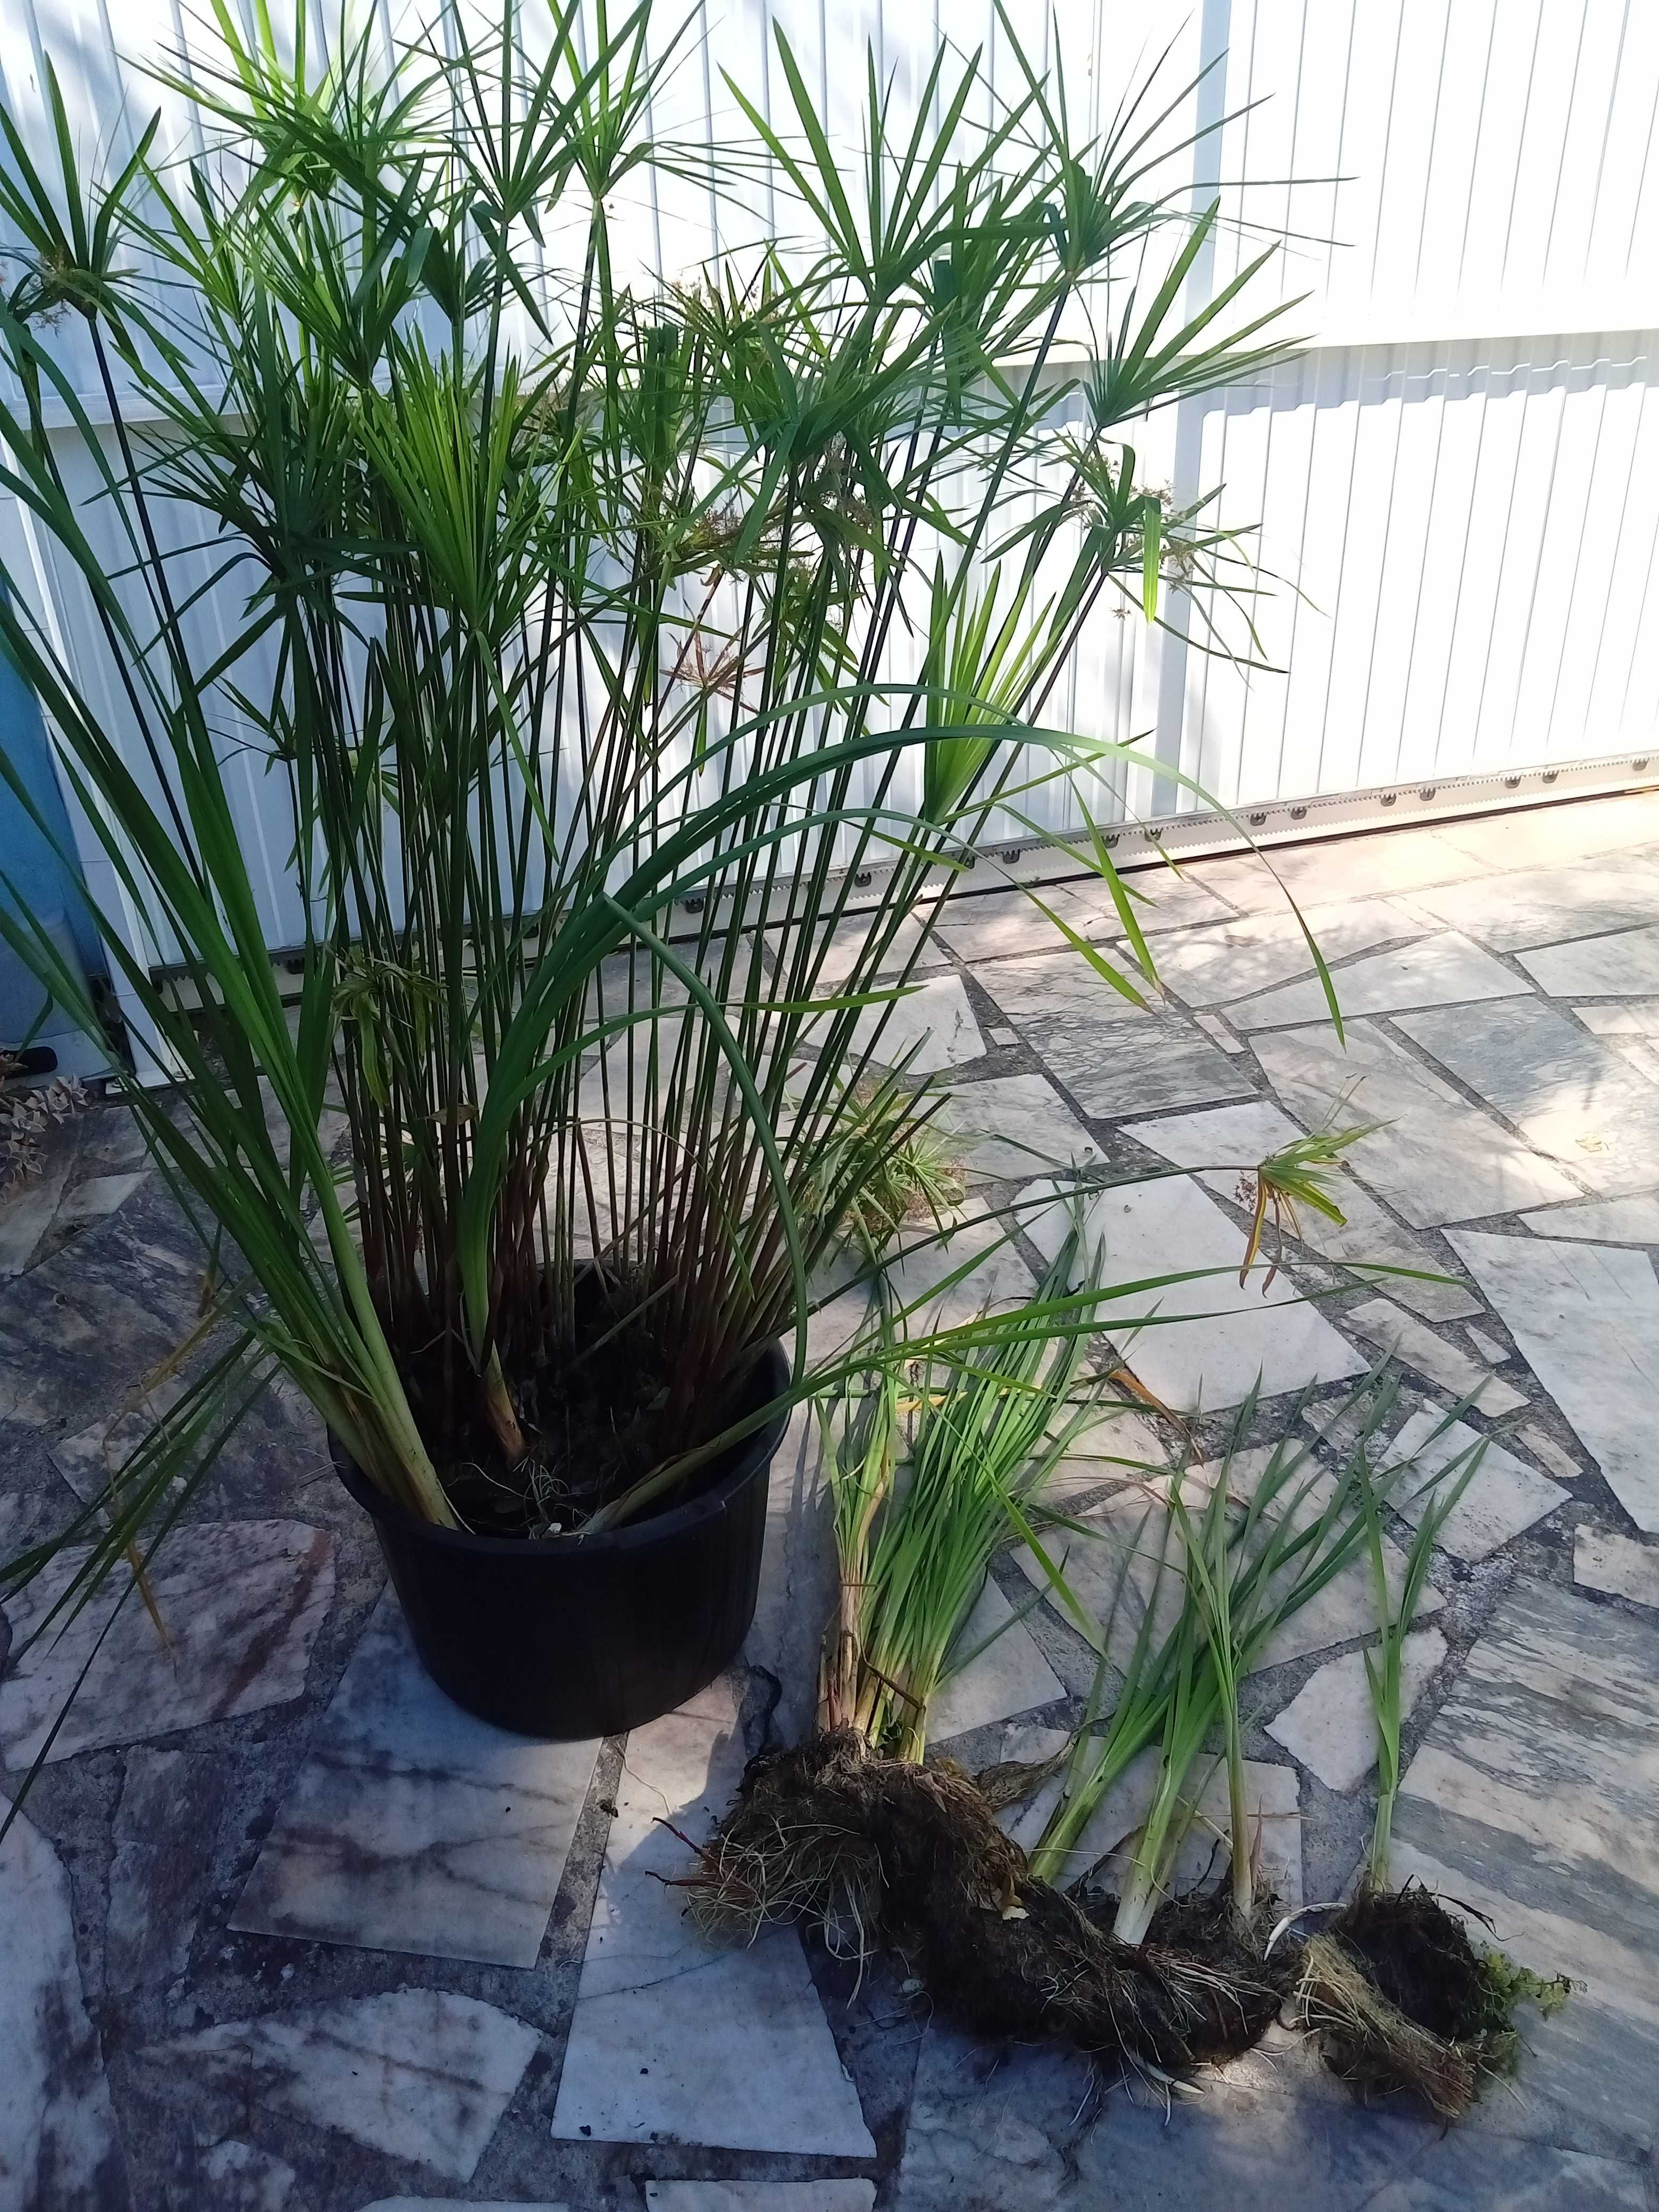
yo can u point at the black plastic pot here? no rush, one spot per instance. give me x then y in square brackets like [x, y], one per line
[587, 1637]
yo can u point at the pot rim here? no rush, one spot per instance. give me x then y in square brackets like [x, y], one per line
[754, 1454]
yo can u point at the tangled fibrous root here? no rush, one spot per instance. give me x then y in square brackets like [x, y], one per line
[1398, 1997]
[879, 1852]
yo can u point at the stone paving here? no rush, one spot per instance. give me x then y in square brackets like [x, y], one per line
[285, 1932]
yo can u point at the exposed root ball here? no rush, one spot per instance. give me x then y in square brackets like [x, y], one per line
[881, 1850]
[1399, 1997]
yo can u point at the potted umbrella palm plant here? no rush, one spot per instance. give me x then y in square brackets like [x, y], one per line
[605, 637]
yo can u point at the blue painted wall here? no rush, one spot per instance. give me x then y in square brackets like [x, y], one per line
[43, 886]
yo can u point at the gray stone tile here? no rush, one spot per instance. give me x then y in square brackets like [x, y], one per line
[236, 2176]
[27, 1209]
[1600, 1221]
[422, 2074]
[1569, 1094]
[1504, 1496]
[1228, 1138]
[1120, 1446]
[1340, 870]
[58, 2148]
[461, 2204]
[759, 2196]
[1586, 1318]
[675, 2039]
[1330, 1725]
[1163, 900]
[1545, 1450]
[1112, 1562]
[1434, 1157]
[1623, 966]
[1009, 1676]
[412, 1826]
[1554, 836]
[935, 1018]
[846, 948]
[798, 1575]
[1531, 1800]
[1006, 921]
[1616, 1565]
[998, 1276]
[1213, 1026]
[97, 1197]
[1436, 971]
[164, 1831]
[1206, 1342]
[1013, 1125]
[242, 1602]
[1000, 2127]
[1219, 967]
[1540, 906]
[1638, 1019]
[1384, 1325]
[1113, 1057]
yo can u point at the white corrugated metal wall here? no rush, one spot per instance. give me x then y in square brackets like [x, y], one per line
[1457, 485]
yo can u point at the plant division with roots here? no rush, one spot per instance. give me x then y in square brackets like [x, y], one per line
[605, 635]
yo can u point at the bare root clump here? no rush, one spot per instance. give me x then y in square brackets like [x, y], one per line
[1399, 1997]
[881, 1852]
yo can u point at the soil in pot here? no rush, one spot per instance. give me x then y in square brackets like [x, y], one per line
[597, 1413]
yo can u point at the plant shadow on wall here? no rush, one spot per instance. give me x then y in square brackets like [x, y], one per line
[568, 604]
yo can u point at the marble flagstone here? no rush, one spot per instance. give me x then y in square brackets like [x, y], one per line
[422, 2074]
[1433, 1157]
[1013, 1125]
[995, 1275]
[1112, 1562]
[1635, 1018]
[1118, 1446]
[1011, 2128]
[95, 1198]
[1502, 1497]
[29, 1208]
[1114, 1058]
[1545, 1450]
[1107, 1843]
[1616, 1565]
[1555, 835]
[1600, 1221]
[1569, 1094]
[1008, 1676]
[1213, 1026]
[1163, 900]
[1384, 1325]
[1531, 1800]
[846, 948]
[1007, 921]
[1339, 871]
[1445, 970]
[1330, 1725]
[760, 2196]
[1623, 966]
[935, 1018]
[1586, 1319]
[459, 2204]
[412, 1826]
[1229, 1138]
[1540, 906]
[241, 1602]
[1235, 1336]
[59, 2148]
[1489, 1349]
[237, 2177]
[676, 2038]
[1220, 967]
[797, 1594]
